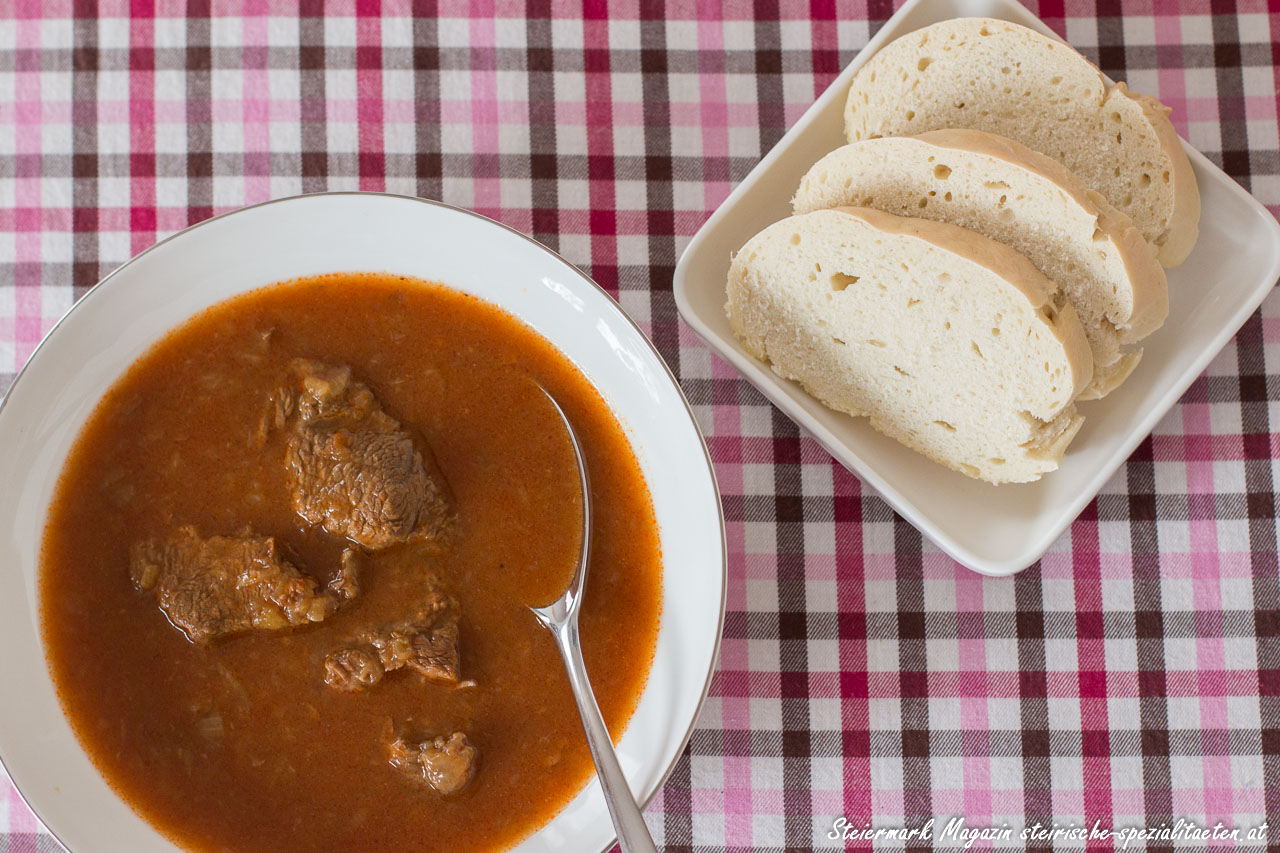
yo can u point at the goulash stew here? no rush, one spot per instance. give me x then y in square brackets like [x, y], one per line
[286, 573]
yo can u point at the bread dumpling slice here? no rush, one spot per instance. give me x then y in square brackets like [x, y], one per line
[1006, 191]
[947, 340]
[1000, 77]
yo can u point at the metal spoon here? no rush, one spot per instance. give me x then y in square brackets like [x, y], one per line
[561, 619]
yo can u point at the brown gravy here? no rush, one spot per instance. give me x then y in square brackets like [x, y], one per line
[293, 765]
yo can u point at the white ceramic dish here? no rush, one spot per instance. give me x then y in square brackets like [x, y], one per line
[993, 530]
[138, 303]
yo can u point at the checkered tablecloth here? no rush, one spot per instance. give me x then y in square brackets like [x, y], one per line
[1131, 679]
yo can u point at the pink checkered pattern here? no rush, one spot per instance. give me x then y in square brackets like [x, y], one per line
[1132, 678]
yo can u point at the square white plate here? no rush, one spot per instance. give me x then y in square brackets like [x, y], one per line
[993, 530]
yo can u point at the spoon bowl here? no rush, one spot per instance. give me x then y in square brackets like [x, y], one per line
[561, 619]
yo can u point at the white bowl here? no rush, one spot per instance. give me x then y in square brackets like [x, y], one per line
[138, 303]
[993, 530]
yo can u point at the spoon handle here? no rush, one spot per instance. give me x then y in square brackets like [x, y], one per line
[633, 835]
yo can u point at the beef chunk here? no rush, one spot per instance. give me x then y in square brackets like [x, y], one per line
[447, 764]
[432, 652]
[352, 468]
[228, 584]
[426, 642]
[353, 669]
[346, 584]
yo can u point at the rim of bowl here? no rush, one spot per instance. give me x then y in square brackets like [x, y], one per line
[693, 421]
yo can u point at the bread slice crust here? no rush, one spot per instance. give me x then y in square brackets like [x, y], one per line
[949, 342]
[1005, 191]
[1000, 77]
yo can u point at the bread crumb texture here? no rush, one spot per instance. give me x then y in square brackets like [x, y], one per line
[947, 341]
[1023, 199]
[1004, 78]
